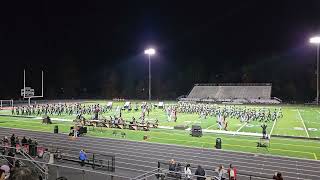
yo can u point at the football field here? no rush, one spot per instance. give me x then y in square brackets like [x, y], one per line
[297, 121]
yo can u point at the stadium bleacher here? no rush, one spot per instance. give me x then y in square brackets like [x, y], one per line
[233, 93]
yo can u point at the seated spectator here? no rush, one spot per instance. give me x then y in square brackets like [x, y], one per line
[5, 140]
[172, 165]
[17, 141]
[2, 174]
[277, 176]
[200, 173]
[24, 141]
[6, 171]
[187, 172]
[232, 172]
[24, 173]
[82, 157]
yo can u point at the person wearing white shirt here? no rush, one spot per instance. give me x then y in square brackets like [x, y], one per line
[187, 172]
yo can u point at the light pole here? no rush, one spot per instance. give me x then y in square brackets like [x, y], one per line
[149, 52]
[316, 40]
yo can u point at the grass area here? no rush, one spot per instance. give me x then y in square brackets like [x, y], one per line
[297, 121]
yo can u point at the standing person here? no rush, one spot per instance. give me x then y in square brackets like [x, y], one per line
[24, 141]
[187, 172]
[221, 173]
[232, 172]
[13, 140]
[82, 157]
[225, 124]
[200, 173]
[264, 130]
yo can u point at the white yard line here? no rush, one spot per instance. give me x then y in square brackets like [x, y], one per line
[240, 128]
[303, 123]
[274, 124]
[211, 126]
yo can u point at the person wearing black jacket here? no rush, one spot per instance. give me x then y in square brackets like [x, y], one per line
[13, 140]
[200, 172]
[24, 141]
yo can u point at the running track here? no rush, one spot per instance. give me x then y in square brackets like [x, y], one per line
[136, 158]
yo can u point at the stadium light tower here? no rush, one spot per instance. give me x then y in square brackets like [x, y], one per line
[316, 40]
[150, 52]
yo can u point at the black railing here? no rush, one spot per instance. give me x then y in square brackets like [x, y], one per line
[163, 171]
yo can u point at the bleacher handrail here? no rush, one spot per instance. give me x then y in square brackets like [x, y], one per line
[68, 167]
[233, 84]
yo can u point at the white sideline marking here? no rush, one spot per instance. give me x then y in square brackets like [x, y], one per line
[240, 128]
[303, 123]
[56, 119]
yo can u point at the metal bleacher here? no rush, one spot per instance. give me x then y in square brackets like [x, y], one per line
[249, 93]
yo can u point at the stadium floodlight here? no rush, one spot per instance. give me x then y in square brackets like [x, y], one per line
[316, 40]
[150, 52]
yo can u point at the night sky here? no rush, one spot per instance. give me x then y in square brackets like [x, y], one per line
[94, 49]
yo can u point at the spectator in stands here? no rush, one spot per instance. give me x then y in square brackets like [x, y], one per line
[5, 140]
[11, 158]
[277, 176]
[221, 173]
[232, 172]
[200, 173]
[82, 157]
[6, 171]
[178, 171]
[17, 141]
[29, 141]
[24, 141]
[13, 140]
[172, 165]
[24, 173]
[187, 172]
[2, 174]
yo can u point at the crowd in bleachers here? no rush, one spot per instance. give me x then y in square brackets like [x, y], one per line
[11, 167]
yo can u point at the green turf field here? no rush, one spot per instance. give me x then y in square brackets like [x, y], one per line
[297, 121]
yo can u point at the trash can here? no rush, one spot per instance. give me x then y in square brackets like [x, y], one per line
[218, 143]
[56, 130]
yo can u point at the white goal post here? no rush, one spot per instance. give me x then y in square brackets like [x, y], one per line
[6, 103]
